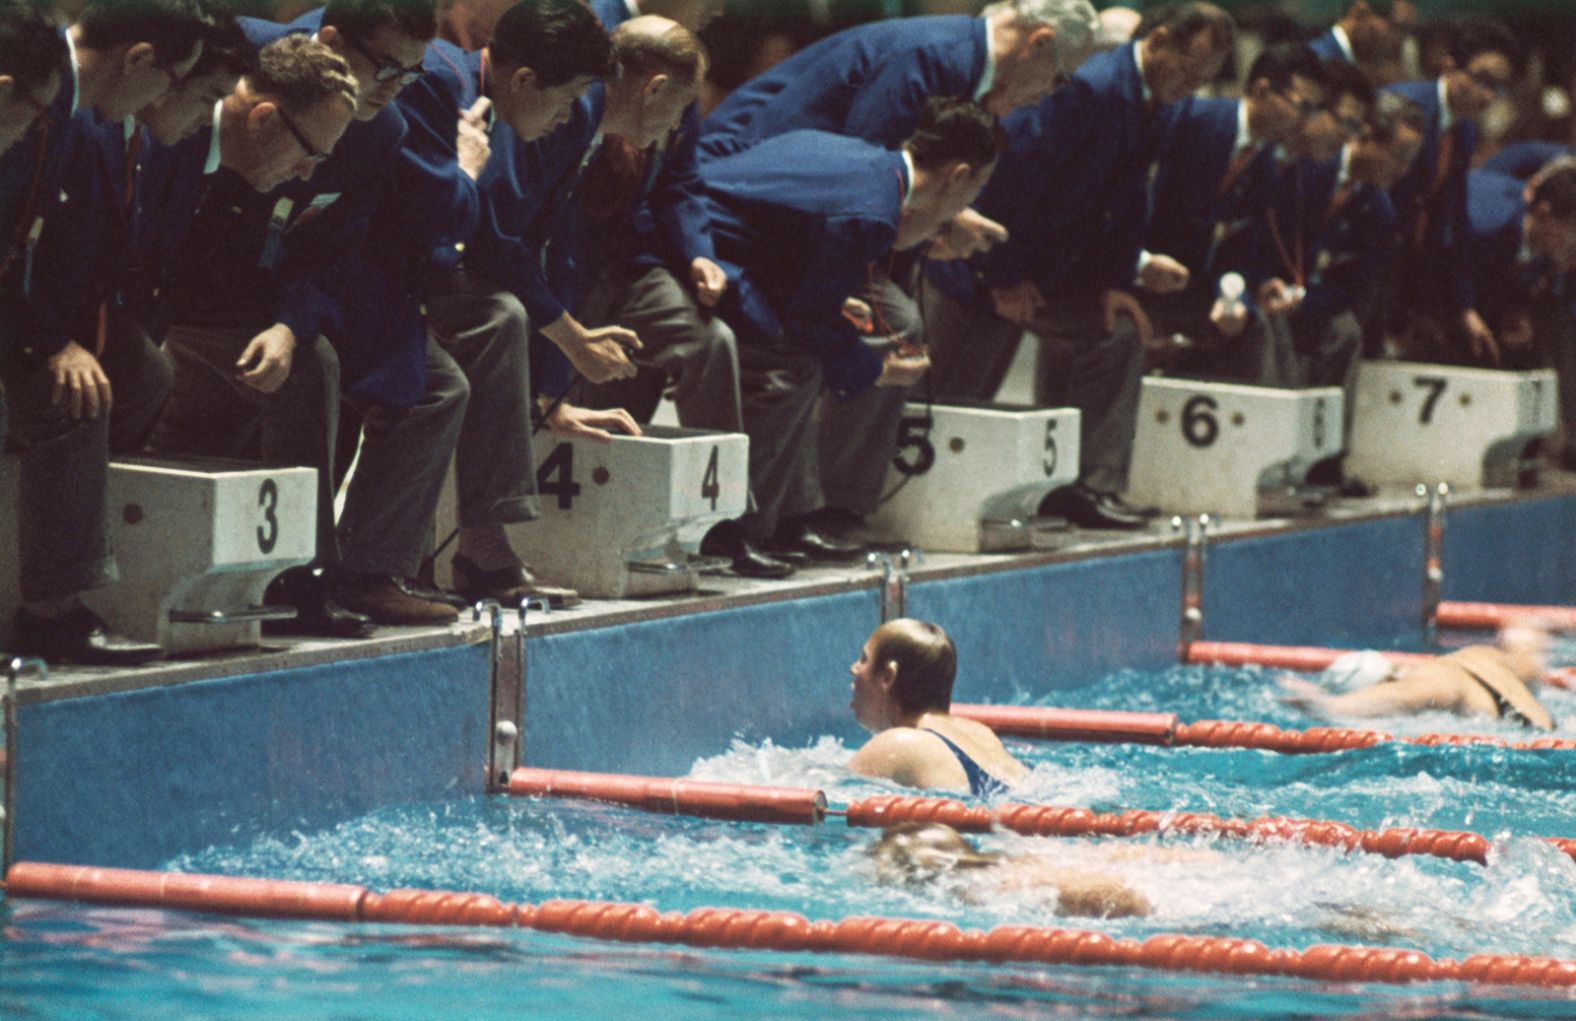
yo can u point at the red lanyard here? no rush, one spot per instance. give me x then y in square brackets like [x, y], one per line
[24, 223]
[1293, 260]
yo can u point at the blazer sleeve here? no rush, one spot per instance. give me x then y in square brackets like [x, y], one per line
[679, 203]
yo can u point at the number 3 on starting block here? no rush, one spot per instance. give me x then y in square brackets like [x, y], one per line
[1439, 423]
[1209, 447]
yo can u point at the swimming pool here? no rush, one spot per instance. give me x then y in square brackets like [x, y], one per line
[75, 961]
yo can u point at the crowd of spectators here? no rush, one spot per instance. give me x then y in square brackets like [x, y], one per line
[413, 236]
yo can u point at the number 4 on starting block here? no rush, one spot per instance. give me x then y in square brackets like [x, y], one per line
[1209, 448]
[1441, 423]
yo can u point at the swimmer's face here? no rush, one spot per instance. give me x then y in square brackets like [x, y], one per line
[870, 695]
[920, 852]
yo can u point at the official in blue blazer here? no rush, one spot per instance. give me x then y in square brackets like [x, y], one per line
[804, 217]
[1072, 193]
[1366, 35]
[1215, 179]
[58, 418]
[1523, 257]
[1520, 160]
[1434, 279]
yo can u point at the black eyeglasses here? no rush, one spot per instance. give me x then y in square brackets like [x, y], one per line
[386, 69]
[306, 146]
[1489, 83]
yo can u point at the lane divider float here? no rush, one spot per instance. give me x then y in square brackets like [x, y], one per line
[746, 929]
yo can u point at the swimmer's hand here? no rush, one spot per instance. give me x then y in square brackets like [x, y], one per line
[1303, 693]
[1092, 895]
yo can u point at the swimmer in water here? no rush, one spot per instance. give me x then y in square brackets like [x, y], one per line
[1496, 681]
[902, 694]
[917, 853]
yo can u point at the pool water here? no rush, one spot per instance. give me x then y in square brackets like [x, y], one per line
[66, 961]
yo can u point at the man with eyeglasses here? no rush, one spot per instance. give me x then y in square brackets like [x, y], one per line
[872, 82]
[295, 240]
[1072, 192]
[121, 56]
[1213, 181]
[1434, 304]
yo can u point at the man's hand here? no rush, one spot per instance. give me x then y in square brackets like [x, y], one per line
[1479, 337]
[965, 234]
[1229, 323]
[265, 364]
[1163, 275]
[80, 379]
[471, 143]
[1116, 303]
[903, 366]
[709, 279]
[1276, 298]
[1019, 303]
[568, 420]
[599, 355]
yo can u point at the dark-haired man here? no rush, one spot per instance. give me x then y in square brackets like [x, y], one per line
[294, 240]
[1523, 258]
[1366, 36]
[1215, 178]
[803, 217]
[1071, 192]
[122, 56]
[1434, 276]
[30, 71]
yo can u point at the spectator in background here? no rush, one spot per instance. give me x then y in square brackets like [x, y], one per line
[1367, 35]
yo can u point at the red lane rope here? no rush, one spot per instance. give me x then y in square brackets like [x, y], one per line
[738, 928]
[666, 795]
[1493, 616]
[1310, 659]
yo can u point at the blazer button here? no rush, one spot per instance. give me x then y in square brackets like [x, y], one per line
[459, 246]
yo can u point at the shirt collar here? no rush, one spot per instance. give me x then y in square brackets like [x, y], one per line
[1344, 41]
[1446, 120]
[906, 185]
[1143, 83]
[76, 75]
[987, 79]
[1345, 173]
[212, 164]
[634, 8]
[1244, 136]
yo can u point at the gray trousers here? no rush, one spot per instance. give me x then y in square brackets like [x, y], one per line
[212, 413]
[62, 525]
[485, 331]
[1295, 353]
[1081, 365]
[858, 434]
[681, 343]
[780, 385]
[386, 524]
[1554, 346]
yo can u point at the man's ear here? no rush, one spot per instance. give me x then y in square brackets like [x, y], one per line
[522, 78]
[654, 85]
[262, 114]
[1042, 38]
[139, 56]
[331, 37]
[1259, 88]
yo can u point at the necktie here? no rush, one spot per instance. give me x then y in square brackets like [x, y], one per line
[1234, 171]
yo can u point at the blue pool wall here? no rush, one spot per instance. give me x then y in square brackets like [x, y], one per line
[134, 779]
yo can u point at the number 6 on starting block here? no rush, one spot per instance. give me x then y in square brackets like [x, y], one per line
[1440, 423]
[1208, 448]
[968, 478]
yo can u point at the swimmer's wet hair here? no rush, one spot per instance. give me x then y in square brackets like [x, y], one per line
[918, 852]
[926, 662]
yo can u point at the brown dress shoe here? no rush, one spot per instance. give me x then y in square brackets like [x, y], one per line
[385, 601]
[508, 585]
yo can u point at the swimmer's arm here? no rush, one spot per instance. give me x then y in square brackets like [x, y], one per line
[902, 756]
[1092, 895]
[1392, 698]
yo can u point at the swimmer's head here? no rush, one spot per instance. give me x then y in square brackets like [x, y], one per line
[1526, 641]
[918, 852]
[924, 660]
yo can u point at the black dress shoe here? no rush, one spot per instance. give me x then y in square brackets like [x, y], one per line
[1087, 508]
[1117, 505]
[79, 637]
[797, 536]
[835, 521]
[727, 539]
[317, 615]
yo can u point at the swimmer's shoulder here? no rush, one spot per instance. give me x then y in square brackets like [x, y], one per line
[909, 756]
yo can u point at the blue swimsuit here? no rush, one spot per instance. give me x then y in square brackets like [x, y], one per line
[981, 783]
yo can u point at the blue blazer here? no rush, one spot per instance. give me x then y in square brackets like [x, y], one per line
[1343, 253]
[870, 82]
[1520, 160]
[1327, 48]
[256, 259]
[1438, 274]
[427, 213]
[803, 217]
[1072, 187]
[28, 320]
[1507, 277]
[1209, 231]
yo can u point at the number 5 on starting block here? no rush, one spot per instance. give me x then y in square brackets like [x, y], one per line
[1441, 423]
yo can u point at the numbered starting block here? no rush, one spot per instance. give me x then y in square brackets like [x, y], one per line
[967, 478]
[197, 543]
[1439, 423]
[1213, 448]
[622, 518]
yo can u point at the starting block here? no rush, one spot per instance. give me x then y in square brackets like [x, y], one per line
[968, 478]
[1211, 448]
[197, 543]
[1439, 423]
[621, 518]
